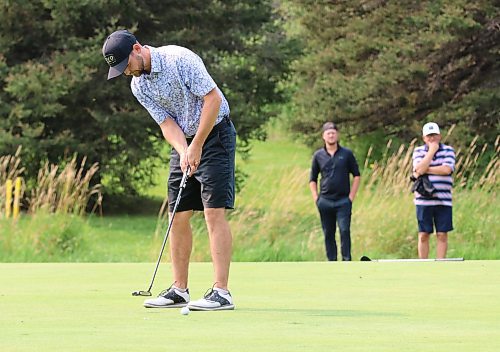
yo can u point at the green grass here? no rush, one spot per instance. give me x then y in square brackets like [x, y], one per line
[310, 306]
[275, 220]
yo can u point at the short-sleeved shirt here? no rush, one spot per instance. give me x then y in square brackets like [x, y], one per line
[335, 170]
[175, 88]
[445, 155]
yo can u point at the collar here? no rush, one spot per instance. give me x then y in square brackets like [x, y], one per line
[155, 59]
[339, 147]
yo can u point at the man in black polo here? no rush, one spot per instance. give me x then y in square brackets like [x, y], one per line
[335, 198]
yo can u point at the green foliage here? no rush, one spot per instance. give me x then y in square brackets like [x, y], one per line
[42, 237]
[55, 100]
[391, 66]
[276, 220]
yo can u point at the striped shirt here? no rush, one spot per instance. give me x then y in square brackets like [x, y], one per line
[175, 88]
[443, 184]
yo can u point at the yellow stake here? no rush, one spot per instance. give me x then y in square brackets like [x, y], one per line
[17, 196]
[8, 197]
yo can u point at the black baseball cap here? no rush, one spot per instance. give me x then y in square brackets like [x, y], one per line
[329, 126]
[116, 50]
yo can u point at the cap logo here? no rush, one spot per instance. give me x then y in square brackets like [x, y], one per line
[110, 59]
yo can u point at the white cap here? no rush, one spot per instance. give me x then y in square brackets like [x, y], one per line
[430, 128]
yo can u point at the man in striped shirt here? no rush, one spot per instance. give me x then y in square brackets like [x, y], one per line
[437, 161]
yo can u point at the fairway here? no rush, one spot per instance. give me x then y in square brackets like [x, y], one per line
[302, 306]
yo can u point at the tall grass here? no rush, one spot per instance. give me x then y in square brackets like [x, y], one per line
[384, 220]
[65, 190]
[276, 218]
[43, 237]
[53, 228]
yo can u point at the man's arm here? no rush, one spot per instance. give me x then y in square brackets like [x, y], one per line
[422, 167]
[209, 112]
[443, 170]
[313, 178]
[354, 189]
[354, 170]
[314, 190]
[175, 137]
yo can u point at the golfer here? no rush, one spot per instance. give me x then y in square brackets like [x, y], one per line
[334, 202]
[436, 160]
[172, 83]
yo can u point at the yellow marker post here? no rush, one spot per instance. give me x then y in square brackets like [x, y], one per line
[17, 200]
[8, 198]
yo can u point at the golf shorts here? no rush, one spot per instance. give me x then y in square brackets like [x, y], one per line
[430, 216]
[212, 185]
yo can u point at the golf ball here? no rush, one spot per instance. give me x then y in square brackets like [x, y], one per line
[185, 311]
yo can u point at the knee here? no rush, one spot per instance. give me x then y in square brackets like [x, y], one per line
[181, 218]
[214, 216]
[423, 238]
[344, 225]
[442, 237]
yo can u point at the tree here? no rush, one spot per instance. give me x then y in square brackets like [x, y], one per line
[55, 100]
[376, 65]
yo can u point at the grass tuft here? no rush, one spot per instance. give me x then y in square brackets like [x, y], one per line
[65, 192]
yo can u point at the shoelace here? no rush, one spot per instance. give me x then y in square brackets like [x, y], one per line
[165, 291]
[209, 293]
[212, 293]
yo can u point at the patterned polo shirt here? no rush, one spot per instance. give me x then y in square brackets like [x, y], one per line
[443, 184]
[175, 88]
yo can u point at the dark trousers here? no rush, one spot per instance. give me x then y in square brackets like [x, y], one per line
[331, 212]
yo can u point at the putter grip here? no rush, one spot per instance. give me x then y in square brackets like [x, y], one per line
[185, 177]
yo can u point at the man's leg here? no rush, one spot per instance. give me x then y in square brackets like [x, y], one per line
[181, 244]
[221, 243]
[425, 215]
[329, 224]
[444, 223]
[423, 245]
[344, 221]
[180, 249]
[217, 179]
[442, 244]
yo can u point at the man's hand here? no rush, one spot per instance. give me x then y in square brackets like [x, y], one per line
[433, 147]
[183, 160]
[193, 157]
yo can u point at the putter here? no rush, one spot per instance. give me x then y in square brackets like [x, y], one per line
[177, 201]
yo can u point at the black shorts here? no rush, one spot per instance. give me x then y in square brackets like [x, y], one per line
[212, 185]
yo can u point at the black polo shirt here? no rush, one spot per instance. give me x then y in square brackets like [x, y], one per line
[335, 172]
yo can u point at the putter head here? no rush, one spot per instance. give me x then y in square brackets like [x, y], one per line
[365, 259]
[141, 293]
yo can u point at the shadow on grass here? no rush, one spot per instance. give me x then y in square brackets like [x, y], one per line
[312, 312]
[318, 312]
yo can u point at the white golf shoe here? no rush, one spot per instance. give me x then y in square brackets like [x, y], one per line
[170, 298]
[214, 299]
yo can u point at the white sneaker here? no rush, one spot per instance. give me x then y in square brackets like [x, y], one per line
[169, 298]
[214, 300]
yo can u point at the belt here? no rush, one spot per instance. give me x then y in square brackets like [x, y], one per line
[225, 121]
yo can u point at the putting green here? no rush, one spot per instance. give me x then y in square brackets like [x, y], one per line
[358, 306]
